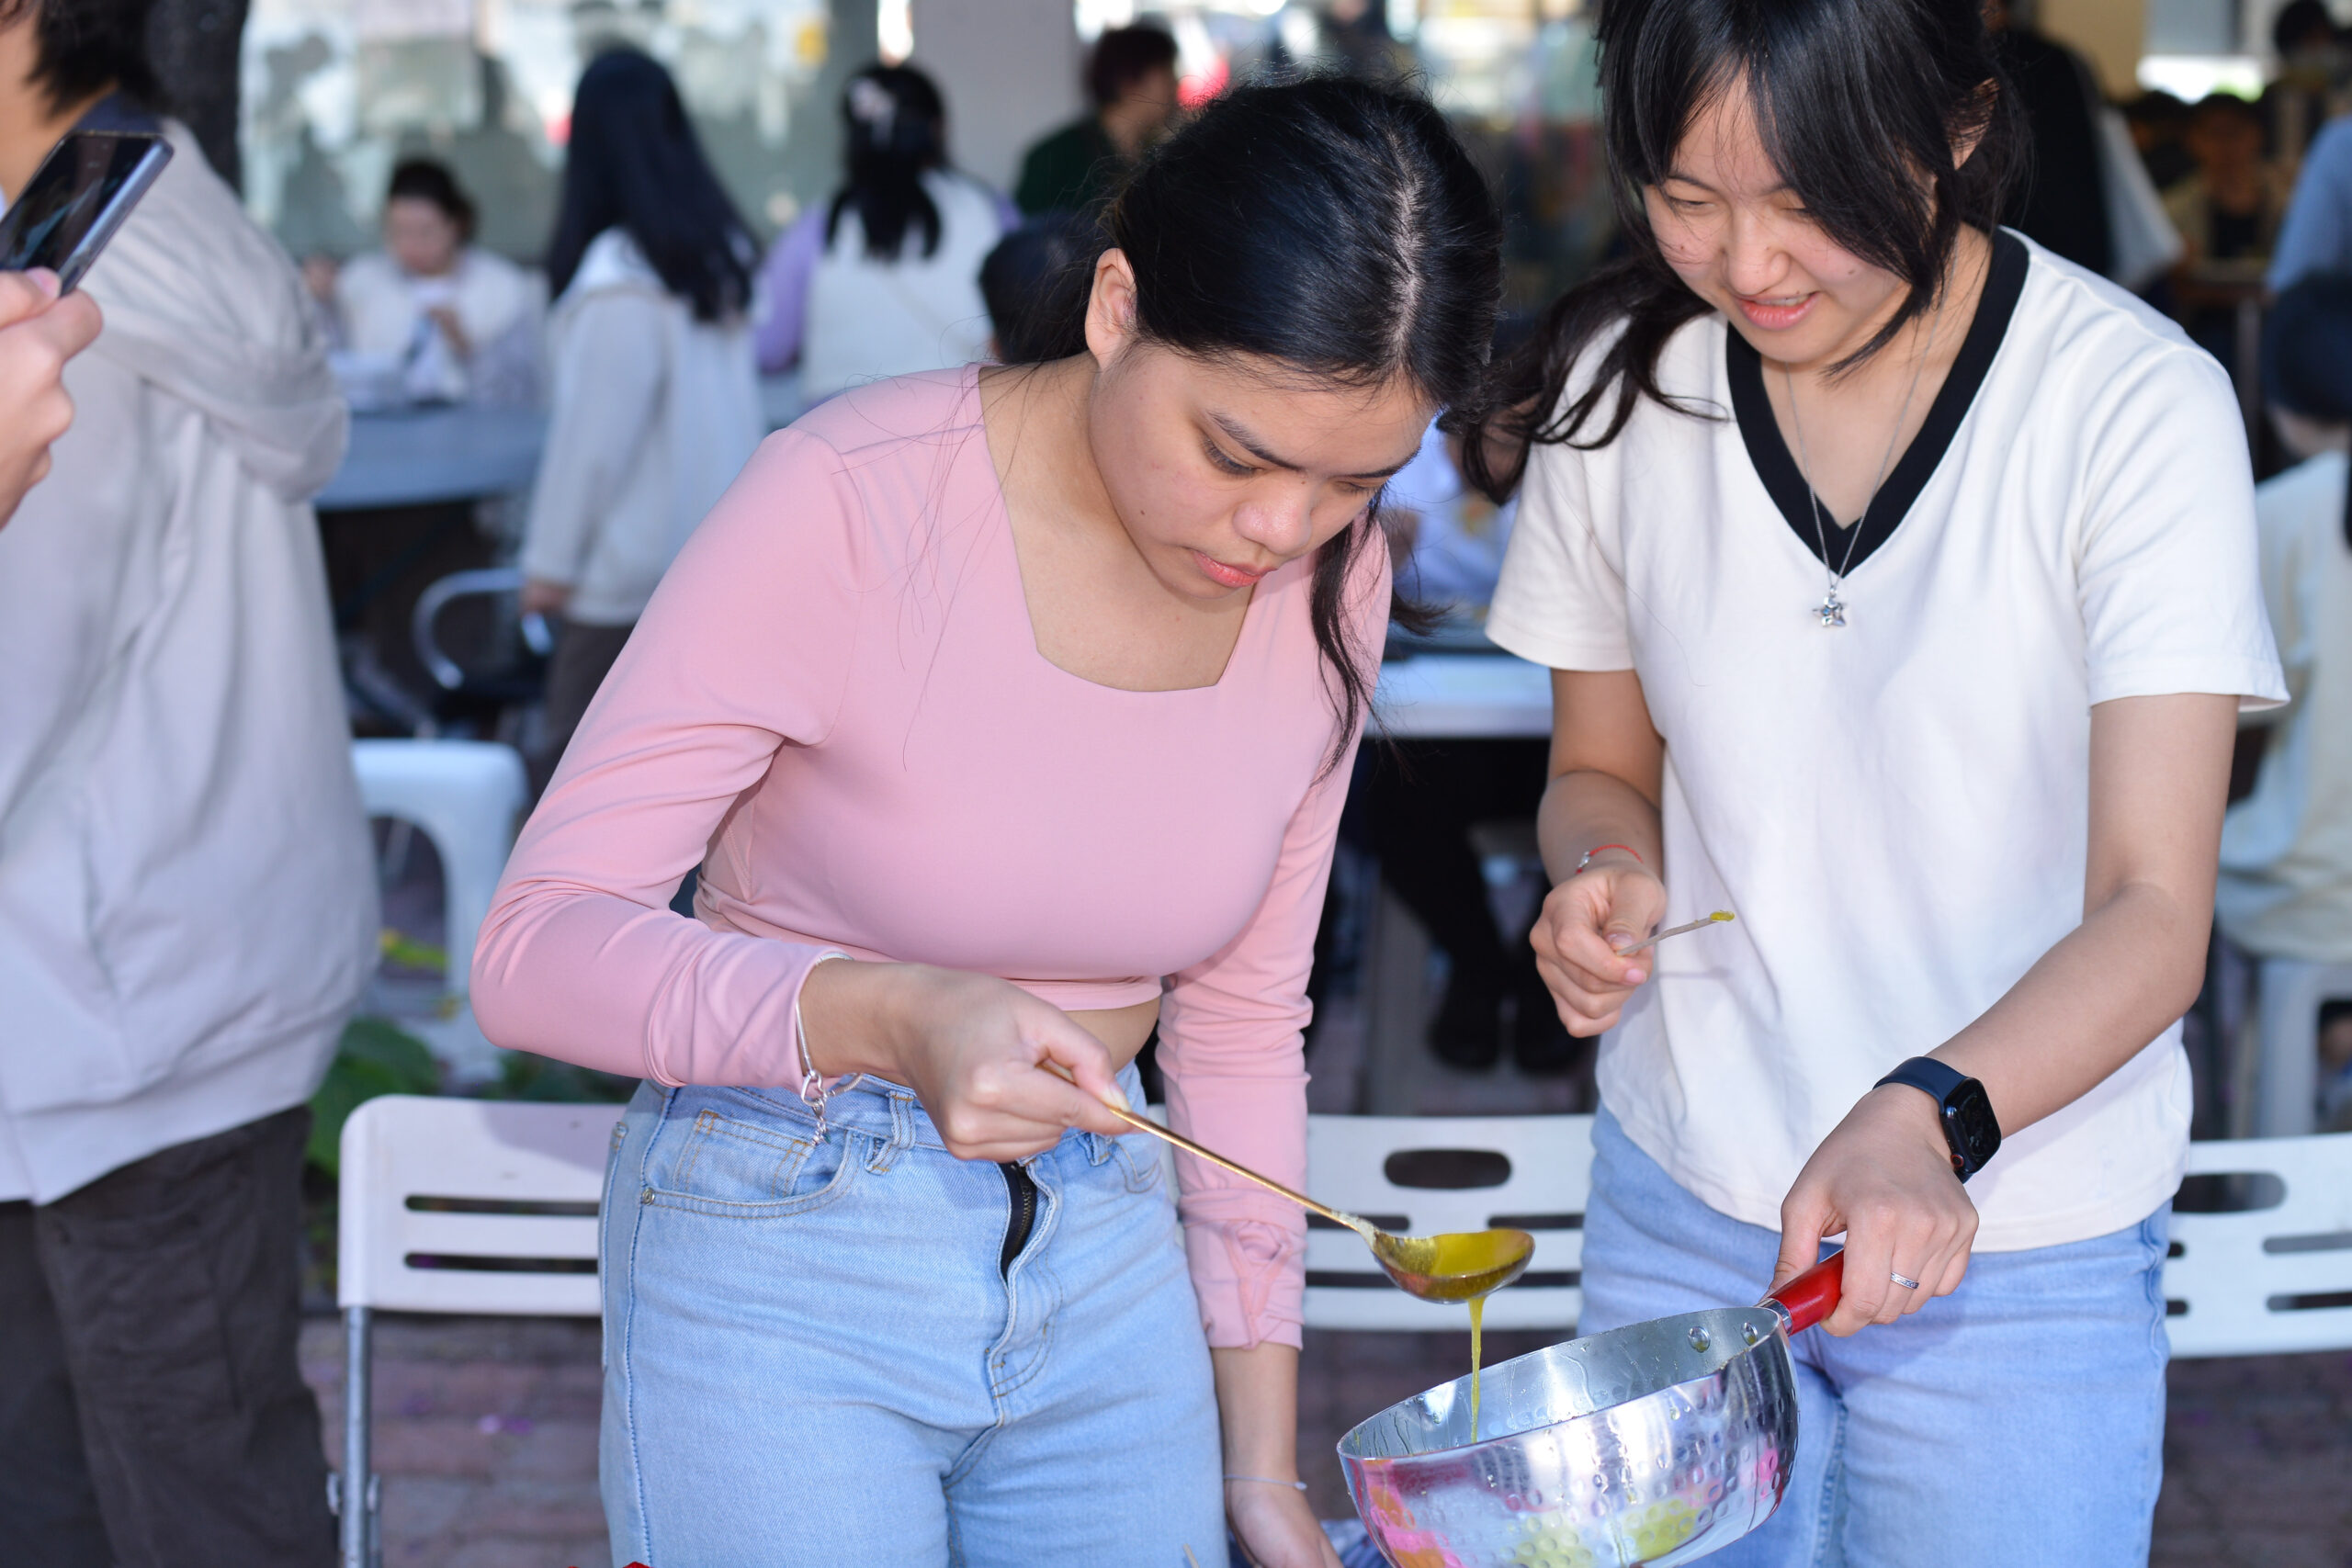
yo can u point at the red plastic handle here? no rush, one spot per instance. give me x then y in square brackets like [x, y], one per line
[1814, 1294]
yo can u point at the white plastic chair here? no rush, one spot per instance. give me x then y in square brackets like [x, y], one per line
[458, 1206]
[466, 796]
[1538, 1170]
[2292, 991]
[2274, 1277]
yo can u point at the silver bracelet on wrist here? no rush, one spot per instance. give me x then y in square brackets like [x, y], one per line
[1269, 1481]
[813, 1093]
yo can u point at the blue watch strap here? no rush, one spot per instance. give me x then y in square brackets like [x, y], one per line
[1935, 1079]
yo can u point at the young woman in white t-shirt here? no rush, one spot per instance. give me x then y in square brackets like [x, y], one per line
[1899, 583]
[884, 278]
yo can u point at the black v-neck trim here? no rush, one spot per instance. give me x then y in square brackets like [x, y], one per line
[1778, 468]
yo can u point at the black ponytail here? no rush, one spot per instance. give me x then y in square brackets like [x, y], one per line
[1856, 100]
[898, 133]
[1329, 225]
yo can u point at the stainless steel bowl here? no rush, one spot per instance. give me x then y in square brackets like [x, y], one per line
[1656, 1443]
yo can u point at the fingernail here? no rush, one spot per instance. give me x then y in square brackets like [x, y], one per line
[1621, 941]
[1635, 977]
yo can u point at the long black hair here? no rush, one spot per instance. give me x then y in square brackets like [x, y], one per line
[1333, 226]
[898, 133]
[1859, 104]
[634, 163]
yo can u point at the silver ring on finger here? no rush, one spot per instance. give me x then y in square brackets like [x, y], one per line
[1906, 1285]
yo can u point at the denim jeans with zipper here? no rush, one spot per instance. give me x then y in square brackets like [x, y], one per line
[850, 1347]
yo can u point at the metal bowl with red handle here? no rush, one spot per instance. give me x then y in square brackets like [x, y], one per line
[1657, 1443]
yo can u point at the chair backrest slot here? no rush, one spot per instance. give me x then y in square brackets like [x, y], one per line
[1447, 1170]
[481, 1264]
[1536, 1222]
[422, 1204]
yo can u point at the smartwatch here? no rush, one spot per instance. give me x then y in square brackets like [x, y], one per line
[1969, 1125]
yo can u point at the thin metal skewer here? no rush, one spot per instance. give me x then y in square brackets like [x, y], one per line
[1719, 917]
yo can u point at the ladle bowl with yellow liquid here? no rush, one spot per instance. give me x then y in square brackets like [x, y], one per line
[1466, 1266]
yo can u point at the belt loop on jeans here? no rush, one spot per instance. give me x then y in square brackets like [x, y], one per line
[902, 1133]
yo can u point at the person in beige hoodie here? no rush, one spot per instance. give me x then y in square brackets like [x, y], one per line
[187, 904]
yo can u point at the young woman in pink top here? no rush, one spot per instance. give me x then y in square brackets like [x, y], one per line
[1028, 697]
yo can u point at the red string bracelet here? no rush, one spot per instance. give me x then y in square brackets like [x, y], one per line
[1597, 848]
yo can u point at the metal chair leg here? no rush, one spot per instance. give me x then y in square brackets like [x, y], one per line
[356, 1496]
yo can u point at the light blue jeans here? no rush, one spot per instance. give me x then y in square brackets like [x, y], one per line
[813, 1356]
[2017, 1422]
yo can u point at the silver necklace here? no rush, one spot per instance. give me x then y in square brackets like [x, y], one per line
[1832, 610]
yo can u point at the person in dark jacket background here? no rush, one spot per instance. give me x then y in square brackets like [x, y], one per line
[1132, 78]
[2062, 203]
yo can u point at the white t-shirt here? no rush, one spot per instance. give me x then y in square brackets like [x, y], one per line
[871, 319]
[1897, 810]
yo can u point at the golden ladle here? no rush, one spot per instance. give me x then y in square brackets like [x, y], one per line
[1457, 1267]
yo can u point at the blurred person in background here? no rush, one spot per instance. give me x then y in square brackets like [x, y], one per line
[2230, 204]
[2062, 202]
[2317, 234]
[1030, 282]
[884, 279]
[1131, 77]
[2285, 883]
[187, 892]
[654, 399]
[2159, 126]
[1425, 797]
[2311, 67]
[38, 333]
[450, 323]
[2228, 210]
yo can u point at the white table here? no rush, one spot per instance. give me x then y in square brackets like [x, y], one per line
[1431, 696]
[1463, 696]
[432, 457]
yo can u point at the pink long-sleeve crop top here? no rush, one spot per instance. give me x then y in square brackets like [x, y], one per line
[835, 705]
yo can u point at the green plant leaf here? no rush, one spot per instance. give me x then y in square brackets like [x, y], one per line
[374, 1057]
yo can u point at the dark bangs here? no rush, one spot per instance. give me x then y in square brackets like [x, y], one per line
[1859, 103]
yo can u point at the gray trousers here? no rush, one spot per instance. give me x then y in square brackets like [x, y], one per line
[584, 655]
[152, 1413]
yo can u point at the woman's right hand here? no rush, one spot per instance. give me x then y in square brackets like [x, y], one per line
[979, 1053]
[1586, 920]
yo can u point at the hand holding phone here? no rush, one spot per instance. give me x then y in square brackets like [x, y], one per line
[40, 331]
[76, 200]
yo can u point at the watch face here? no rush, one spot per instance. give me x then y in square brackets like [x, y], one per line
[1970, 1126]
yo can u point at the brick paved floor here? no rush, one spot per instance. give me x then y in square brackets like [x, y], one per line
[486, 1439]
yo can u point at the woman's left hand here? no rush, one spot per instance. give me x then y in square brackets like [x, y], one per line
[1276, 1526]
[1885, 1178]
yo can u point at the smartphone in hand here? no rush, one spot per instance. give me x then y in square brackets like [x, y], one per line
[76, 200]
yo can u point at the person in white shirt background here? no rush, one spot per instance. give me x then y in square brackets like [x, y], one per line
[2286, 886]
[431, 317]
[884, 279]
[654, 403]
[1899, 583]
